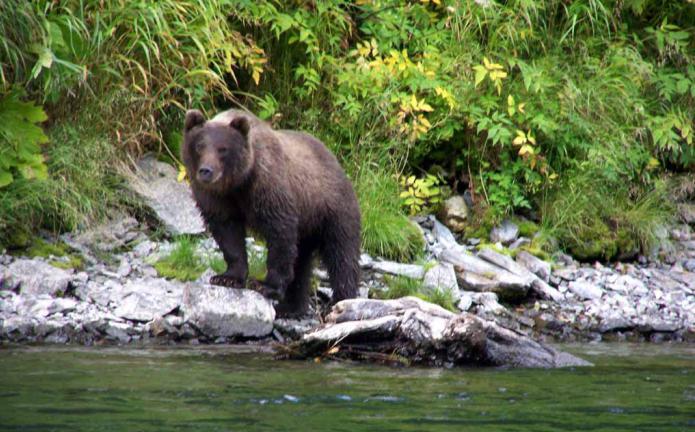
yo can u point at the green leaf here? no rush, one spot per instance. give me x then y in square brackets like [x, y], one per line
[5, 178]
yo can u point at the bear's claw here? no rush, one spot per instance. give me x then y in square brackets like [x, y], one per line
[265, 290]
[226, 281]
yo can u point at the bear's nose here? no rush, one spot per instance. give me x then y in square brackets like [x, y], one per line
[204, 174]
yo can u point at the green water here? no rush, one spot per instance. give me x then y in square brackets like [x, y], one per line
[631, 388]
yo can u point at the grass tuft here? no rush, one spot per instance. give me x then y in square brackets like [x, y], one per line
[386, 232]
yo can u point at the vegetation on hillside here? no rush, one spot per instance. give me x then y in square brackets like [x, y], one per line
[572, 113]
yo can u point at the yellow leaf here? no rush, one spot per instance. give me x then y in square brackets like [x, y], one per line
[182, 173]
[411, 180]
[530, 137]
[404, 194]
[521, 107]
[525, 149]
[510, 100]
[518, 141]
[426, 107]
[256, 75]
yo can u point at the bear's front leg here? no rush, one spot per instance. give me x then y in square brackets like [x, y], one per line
[231, 238]
[281, 239]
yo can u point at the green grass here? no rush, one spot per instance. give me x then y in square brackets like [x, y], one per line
[401, 286]
[182, 263]
[83, 186]
[386, 231]
[185, 264]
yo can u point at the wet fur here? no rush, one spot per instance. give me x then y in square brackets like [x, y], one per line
[286, 186]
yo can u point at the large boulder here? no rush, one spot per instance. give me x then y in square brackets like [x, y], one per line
[35, 277]
[412, 331]
[146, 299]
[171, 200]
[226, 312]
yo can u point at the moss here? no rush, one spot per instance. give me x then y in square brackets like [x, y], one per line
[494, 247]
[527, 228]
[38, 247]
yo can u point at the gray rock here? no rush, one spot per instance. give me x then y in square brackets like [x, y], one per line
[506, 233]
[454, 213]
[36, 277]
[535, 265]
[689, 265]
[146, 299]
[107, 237]
[521, 241]
[226, 312]
[366, 261]
[171, 200]
[442, 235]
[585, 290]
[295, 329]
[412, 271]
[466, 301]
[427, 334]
[442, 276]
[478, 274]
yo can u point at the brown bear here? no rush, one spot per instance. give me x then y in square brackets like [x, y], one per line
[287, 187]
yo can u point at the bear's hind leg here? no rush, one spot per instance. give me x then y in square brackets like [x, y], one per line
[340, 251]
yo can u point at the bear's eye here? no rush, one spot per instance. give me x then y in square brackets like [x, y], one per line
[222, 150]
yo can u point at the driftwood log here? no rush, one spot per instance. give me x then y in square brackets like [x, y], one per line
[412, 331]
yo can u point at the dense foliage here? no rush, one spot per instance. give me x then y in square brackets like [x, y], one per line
[570, 112]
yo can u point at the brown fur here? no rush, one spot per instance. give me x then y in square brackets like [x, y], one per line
[285, 185]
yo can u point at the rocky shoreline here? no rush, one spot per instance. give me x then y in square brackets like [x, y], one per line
[119, 297]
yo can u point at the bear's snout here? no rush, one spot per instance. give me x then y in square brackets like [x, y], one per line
[205, 174]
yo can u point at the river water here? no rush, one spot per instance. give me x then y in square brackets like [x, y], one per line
[631, 388]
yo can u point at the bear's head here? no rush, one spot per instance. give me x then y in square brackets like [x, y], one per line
[217, 155]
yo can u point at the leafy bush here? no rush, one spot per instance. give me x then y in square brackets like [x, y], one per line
[507, 99]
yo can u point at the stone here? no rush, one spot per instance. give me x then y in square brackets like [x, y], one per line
[505, 233]
[423, 333]
[412, 271]
[546, 291]
[466, 301]
[295, 328]
[454, 213]
[35, 277]
[535, 265]
[478, 274]
[443, 235]
[145, 299]
[521, 241]
[366, 261]
[689, 265]
[170, 199]
[226, 312]
[112, 235]
[442, 276]
[585, 290]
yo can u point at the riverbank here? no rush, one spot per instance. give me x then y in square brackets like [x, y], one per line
[119, 297]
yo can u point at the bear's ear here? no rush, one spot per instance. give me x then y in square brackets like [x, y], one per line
[193, 118]
[241, 124]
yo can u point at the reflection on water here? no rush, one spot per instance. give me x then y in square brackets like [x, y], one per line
[631, 388]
